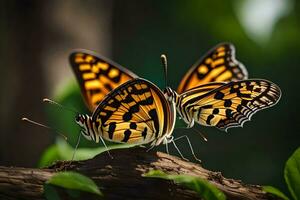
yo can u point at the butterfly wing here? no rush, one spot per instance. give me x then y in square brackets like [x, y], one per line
[136, 112]
[97, 76]
[218, 65]
[232, 104]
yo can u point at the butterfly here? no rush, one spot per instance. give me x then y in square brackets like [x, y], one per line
[136, 112]
[216, 91]
[126, 109]
[213, 92]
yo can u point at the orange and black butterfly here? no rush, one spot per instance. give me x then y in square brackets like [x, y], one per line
[216, 91]
[125, 108]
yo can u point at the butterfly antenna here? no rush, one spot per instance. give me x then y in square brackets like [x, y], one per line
[201, 134]
[46, 100]
[44, 126]
[165, 66]
[197, 131]
[76, 147]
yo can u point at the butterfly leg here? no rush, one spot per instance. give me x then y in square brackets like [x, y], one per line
[74, 152]
[190, 145]
[178, 150]
[78, 141]
[107, 150]
[191, 124]
[152, 146]
[167, 147]
[201, 134]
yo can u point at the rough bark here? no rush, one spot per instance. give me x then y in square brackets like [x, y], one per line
[121, 178]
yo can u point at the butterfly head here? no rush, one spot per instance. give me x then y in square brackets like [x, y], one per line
[83, 121]
[170, 94]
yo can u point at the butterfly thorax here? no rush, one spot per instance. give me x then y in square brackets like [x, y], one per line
[173, 97]
[90, 128]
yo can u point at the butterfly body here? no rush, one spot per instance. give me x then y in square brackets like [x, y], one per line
[135, 112]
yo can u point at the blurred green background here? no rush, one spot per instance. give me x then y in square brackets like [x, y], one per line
[36, 38]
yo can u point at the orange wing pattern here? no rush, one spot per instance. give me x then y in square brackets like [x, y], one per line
[218, 65]
[136, 112]
[97, 76]
[230, 105]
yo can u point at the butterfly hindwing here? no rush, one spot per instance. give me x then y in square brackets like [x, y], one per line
[136, 112]
[231, 104]
[218, 65]
[97, 76]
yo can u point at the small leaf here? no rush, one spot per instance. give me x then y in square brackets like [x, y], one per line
[75, 181]
[50, 155]
[50, 193]
[274, 191]
[292, 174]
[205, 189]
[63, 151]
[66, 151]
[74, 194]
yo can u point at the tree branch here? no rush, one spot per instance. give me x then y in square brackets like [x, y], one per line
[121, 177]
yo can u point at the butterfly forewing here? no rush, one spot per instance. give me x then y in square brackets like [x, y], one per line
[136, 112]
[231, 104]
[218, 65]
[202, 89]
[97, 76]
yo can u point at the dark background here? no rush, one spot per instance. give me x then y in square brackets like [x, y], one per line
[36, 38]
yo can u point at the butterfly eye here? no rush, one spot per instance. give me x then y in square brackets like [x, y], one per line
[79, 119]
[167, 91]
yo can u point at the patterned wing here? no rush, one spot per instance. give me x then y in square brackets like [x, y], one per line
[232, 104]
[218, 65]
[136, 112]
[97, 76]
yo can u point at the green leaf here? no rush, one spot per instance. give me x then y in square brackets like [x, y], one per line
[66, 151]
[63, 151]
[274, 191]
[205, 189]
[292, 174]
[50, 192]
[74, 181]
[50, 155]
[74, 194]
